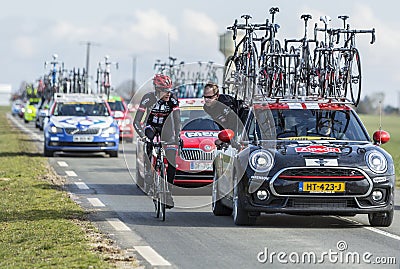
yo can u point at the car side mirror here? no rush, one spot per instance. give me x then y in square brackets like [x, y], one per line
[380, 137]
[226, 135]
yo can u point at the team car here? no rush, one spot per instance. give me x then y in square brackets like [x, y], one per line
[195, 158]
[121, 115]
[42, 113]
[81, 123]
[16, 107]
[306, 158]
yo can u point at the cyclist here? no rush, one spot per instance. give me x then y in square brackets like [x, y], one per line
[157, 106]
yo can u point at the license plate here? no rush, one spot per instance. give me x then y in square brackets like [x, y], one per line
[82, 138]
[200, 166]
[322, 187]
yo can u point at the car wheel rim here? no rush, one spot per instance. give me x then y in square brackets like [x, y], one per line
[214, 192]
[235, 200]
[214, 196]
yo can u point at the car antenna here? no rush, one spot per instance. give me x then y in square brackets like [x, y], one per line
[380, 122]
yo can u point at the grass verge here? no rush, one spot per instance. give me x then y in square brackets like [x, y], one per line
[41, 227]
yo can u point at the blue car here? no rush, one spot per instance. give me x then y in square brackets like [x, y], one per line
[81, 123]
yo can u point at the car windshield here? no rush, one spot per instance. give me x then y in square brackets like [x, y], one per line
[307, 124]
[197, 119]
[81, 109]
[116, 105]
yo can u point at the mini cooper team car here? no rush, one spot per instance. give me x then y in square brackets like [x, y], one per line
[303, 158]
[195, 157]
[81, 123]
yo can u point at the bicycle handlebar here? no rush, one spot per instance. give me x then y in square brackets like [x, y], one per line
[353, 32]
[302, 40]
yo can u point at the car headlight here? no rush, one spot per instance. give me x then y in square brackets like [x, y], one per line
[261, 161]
[376, 161]
[54, 130]
[110, 130]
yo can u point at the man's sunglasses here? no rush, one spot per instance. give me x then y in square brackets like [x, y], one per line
[209, 97]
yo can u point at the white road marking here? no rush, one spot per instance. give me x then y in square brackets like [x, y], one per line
[26, 130]
[373, 229]
[71, 173]
[96, 202]
[62, 164]
[152, 256]
[118, 225]
[81, 185]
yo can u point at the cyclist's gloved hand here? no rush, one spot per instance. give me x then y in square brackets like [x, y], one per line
[144, 139]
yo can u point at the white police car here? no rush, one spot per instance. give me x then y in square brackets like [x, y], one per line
[81, 123]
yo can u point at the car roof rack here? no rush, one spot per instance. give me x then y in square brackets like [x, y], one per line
[80, 97]
[259, 98]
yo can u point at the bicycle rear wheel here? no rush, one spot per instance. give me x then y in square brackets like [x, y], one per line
[355, 77]
[231, 75]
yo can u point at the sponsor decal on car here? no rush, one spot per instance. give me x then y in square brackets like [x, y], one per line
[317, 149]
[200, 134]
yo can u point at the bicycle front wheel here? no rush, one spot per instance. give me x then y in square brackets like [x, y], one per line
[163, 190]
[156, 195]
[355, 77]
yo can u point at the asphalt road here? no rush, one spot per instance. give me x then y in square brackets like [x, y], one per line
[192, 237]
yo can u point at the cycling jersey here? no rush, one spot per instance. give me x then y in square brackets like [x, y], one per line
[157, 112]
[157, 115]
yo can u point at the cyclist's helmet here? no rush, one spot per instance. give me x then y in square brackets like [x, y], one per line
[162, 82]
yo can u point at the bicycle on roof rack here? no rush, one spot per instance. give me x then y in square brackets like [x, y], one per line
[241, 68]
[104, 76]
[349, 62]
[314, 69]
[325, 61]
[301, 75]
[52, 82]
[274, 63]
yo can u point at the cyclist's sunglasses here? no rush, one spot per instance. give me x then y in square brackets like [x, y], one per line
[210, 96]
[163, 90]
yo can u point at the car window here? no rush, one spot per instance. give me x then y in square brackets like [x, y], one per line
[292, 123]
[197, 119]
[116, 105]
[81, 109]
[337, 124]
[201, 125]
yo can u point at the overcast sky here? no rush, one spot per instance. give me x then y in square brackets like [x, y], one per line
[31, 31]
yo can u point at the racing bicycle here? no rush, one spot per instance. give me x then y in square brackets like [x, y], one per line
[160, 183]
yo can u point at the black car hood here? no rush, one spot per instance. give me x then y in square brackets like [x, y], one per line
[317, 153]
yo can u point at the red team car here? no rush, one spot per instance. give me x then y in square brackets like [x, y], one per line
[195, 157]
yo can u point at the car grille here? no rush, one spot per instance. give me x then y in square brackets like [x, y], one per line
[82, 144]
[287, 182]
[321, 203]
[196, 154]
[75, 131]
[331, 172]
